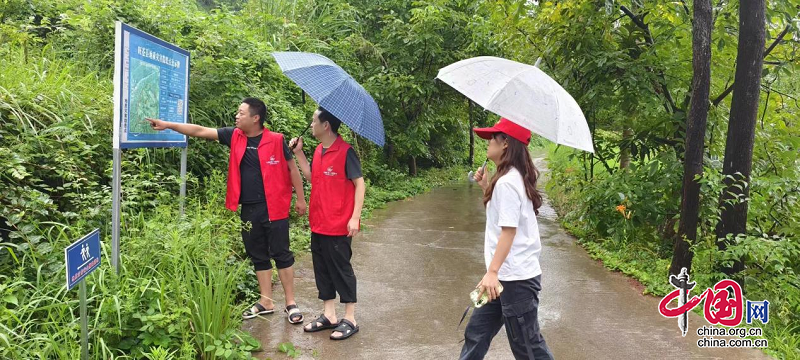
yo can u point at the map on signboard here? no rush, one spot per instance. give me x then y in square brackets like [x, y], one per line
[151, 81]
[144, 96]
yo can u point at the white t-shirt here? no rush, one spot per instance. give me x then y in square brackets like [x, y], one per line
[510, 207]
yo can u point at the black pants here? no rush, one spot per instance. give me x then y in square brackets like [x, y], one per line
[517, 309]
[332, 270]
[264, 239]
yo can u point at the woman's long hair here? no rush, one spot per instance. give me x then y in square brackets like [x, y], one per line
[516, 155]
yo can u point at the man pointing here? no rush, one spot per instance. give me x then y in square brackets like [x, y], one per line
[261, 175]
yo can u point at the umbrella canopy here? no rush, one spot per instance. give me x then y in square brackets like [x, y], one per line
[335, 90]
[523, 94]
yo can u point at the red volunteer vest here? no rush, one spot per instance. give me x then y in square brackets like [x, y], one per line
[274, 172]
[332, 194]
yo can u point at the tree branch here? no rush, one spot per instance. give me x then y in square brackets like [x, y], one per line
[716, 12]
[727, 91]
[536, 46]
[603, 161]
[686, 8]
[770, 89]
[777, 40]
[648, 37]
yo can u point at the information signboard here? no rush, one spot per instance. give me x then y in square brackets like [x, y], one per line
[151, 80]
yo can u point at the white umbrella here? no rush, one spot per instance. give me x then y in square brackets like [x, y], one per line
[523, 94]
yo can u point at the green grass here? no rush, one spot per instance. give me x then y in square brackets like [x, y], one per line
[177, 289]
[182, 283]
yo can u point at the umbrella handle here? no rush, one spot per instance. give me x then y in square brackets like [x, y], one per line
[483, 167]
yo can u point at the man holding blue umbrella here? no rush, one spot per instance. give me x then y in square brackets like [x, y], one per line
[337, 187]
[337, 196]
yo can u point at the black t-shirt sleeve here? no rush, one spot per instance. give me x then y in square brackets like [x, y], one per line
[225, 135]
[287, 153]
[352, 165]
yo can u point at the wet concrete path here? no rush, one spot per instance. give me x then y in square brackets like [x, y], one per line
[416, 262]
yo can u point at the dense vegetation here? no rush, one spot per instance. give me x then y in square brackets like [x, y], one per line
[627, 63]
[629, 66]
[183, 283]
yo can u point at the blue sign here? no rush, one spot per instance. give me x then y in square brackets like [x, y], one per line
[82, 257]
[151, 80]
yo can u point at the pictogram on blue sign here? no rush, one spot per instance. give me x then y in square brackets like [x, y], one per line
[82, 257]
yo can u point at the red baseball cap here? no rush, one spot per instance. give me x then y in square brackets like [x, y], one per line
[507, 127]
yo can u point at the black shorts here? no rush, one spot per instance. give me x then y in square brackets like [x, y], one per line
[264, 239]
[333, 272]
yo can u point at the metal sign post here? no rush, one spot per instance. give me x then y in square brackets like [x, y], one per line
[84, 322]
[115, 181]
[184, 154]
[115, 210]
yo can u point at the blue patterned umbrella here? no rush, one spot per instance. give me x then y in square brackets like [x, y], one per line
[335, 90]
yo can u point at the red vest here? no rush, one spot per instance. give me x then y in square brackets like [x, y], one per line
[332, 194]
[274, 172]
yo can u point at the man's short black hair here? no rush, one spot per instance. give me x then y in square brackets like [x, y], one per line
[326, 116]
[257, 107]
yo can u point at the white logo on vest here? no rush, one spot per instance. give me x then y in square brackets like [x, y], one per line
[272, 161]
[330, 171]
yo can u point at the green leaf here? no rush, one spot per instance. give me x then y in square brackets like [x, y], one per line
[285, 347]
[11, 299]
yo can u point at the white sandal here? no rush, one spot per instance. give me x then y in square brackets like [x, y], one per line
[293, 310]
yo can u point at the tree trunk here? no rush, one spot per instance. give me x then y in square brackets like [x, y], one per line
[389, 153]
[412, 166]
[741, 127]
[695, 136]
[625, 152]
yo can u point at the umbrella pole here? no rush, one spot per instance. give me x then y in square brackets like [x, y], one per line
[302, 133]
[309, 124]
[483, 167]
[304, 130]
[471, 135]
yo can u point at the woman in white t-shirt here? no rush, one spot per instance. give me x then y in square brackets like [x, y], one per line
[511, 248]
